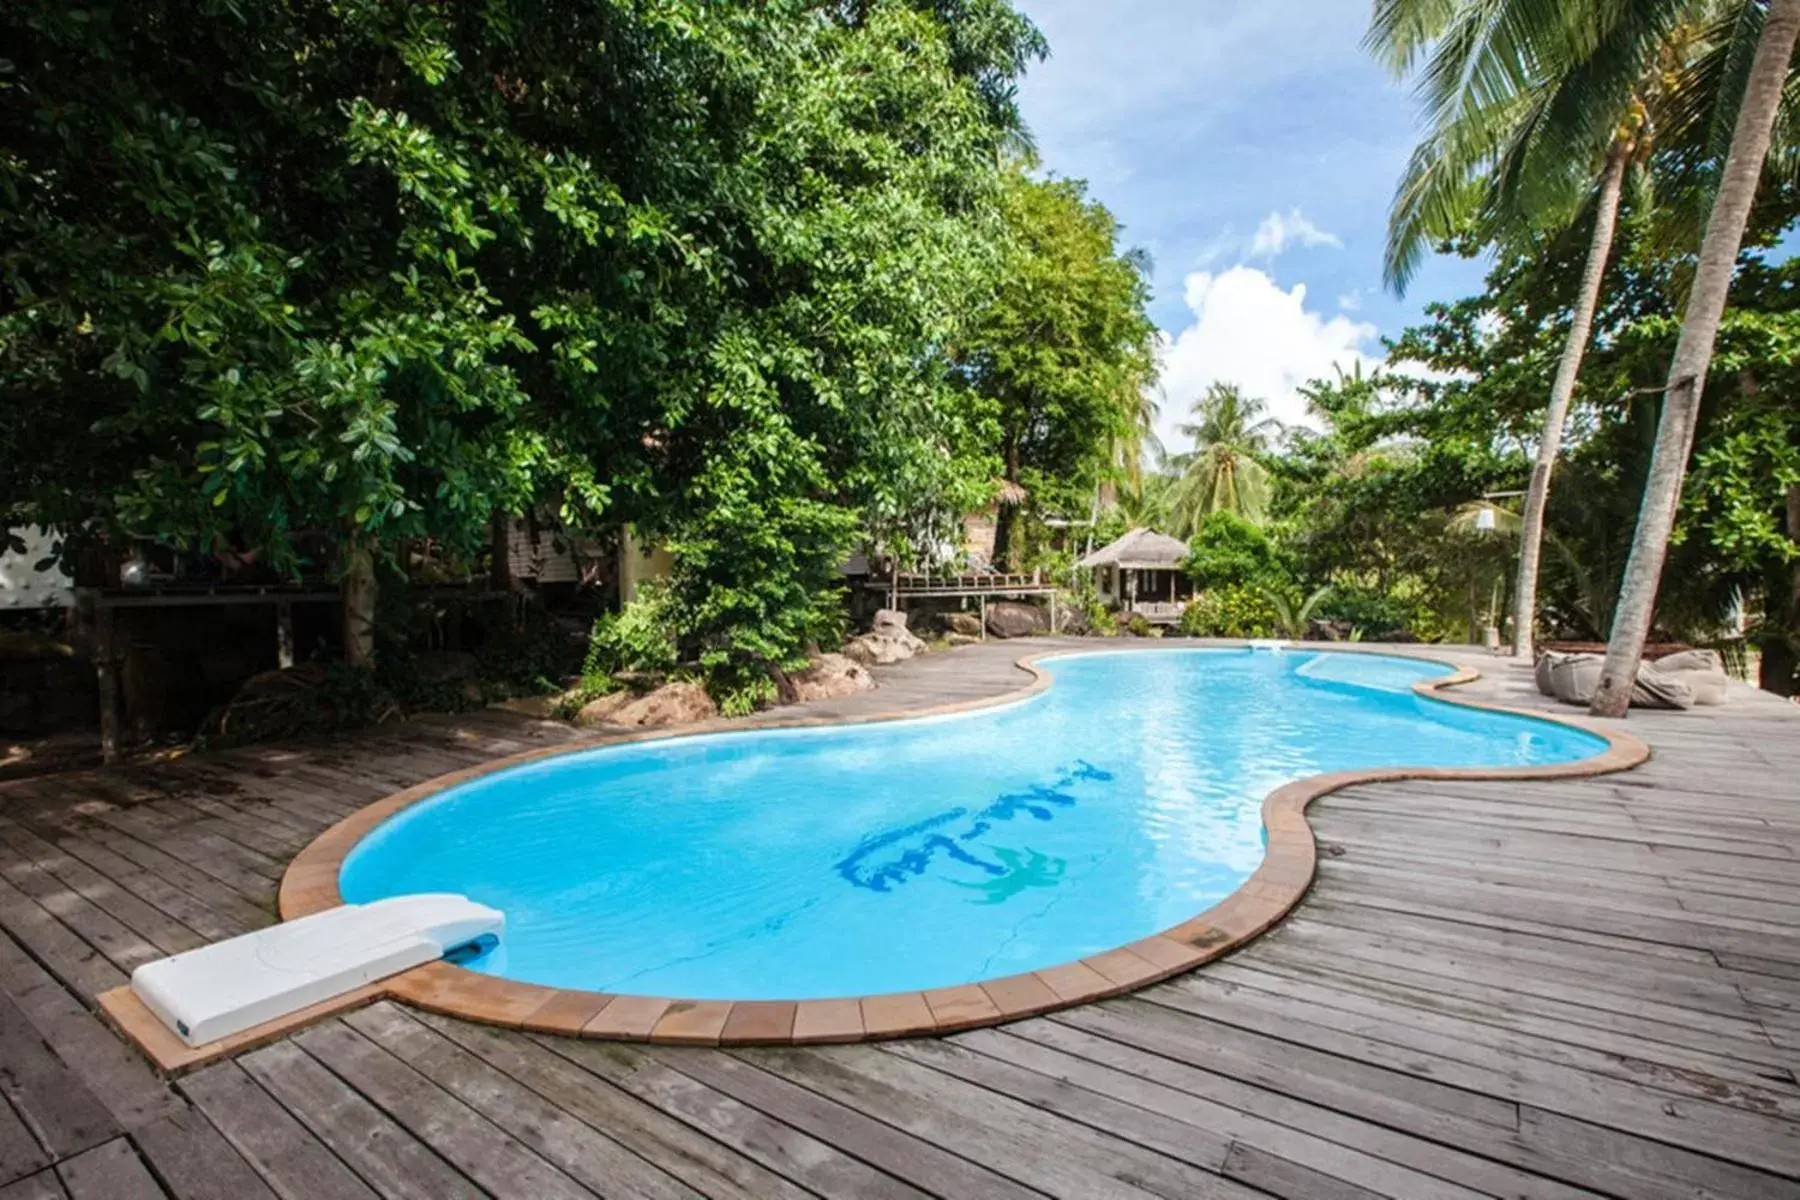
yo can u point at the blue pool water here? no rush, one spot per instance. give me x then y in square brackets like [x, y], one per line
[809, 863]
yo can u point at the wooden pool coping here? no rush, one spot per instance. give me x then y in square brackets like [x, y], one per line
[310, 885]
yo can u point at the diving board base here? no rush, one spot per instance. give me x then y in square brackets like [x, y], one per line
[172, 1056]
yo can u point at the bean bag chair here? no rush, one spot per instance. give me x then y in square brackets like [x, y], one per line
[1659, 689]
[1702, 670]
[1575, 679]
[1546, 663]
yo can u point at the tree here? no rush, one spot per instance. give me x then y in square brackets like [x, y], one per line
[1522, 120]
[322, 282]
[1221, 473]
[1064, 352]
[1725, 228]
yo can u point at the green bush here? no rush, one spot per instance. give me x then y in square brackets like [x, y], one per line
[1228, 551]
[1374, 611]
[642, 636]
[1139, 625]
[1233, 610]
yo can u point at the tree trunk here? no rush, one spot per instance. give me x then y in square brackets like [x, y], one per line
[500, 552]
[1531, 525]
[1693, 354]
[358, 590]
[1781, 653]
[1006, 521]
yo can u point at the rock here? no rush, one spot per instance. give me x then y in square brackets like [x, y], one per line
[1010, 619]
[833, 675]
[600, 710]
[888, 641]
[881, 647]
[1328, 631]
[671, 704]
[965, 623]
[538, 708]
[961, 639]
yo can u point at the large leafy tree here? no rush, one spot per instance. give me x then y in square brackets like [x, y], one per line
[356, 274]
[1065, 351]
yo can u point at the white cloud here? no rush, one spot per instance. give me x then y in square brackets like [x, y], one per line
[1246, 330]
[1350, 301]
[1277, 232]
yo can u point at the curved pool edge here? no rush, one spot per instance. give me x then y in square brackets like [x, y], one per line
[1274, 889]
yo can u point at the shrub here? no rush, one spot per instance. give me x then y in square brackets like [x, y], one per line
[1234, 610]
[1139, 625]
[1228, 551]
[639, 637]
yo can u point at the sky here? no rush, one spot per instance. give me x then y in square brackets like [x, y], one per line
[1252, 150]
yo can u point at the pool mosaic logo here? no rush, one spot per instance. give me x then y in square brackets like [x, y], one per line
[884, 860]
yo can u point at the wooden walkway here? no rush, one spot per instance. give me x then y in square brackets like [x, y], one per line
[1542, 990]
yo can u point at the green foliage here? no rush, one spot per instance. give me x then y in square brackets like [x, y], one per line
[386, 269]
[1230, 611]
[641, 637]
[1294, 608]
[1223, 474]
[1229, 551]
[1064, 351]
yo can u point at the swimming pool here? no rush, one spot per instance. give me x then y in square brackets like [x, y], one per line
[853, 860]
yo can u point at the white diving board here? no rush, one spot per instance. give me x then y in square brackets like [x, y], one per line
[230, 986]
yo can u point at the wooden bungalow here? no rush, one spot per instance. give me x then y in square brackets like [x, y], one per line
[1141, 574]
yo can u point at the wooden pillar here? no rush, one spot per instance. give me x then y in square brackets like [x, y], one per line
[984, 616]
[284, 634]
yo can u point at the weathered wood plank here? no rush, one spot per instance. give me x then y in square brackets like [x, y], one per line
[271, 1140]
[397, 1164]
[560, 1138]
[60, 1111]
[812, 1164]
[109, 1172]
[697, 1160]
[481, 1150]
[195, 1161]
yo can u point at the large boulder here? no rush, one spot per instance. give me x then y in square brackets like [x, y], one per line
[887, 619]
[965, 623]
[833, 675]
[888, 641]
[679, 703]
[1010, 619]
[602, 709]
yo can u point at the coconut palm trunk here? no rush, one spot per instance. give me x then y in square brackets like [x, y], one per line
[1693, 354]
[1562, 390]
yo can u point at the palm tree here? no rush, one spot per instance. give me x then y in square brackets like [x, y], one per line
[1222, 473]
[1522, 123]
[1750, 138]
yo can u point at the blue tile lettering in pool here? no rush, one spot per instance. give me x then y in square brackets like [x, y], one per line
[919, 843]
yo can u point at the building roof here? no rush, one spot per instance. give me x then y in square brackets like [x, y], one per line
[1140, 550]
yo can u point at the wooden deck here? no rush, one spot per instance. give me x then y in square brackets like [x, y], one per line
[1539, 990]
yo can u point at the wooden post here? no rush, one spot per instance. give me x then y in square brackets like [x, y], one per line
[984, 616]
[284, 634]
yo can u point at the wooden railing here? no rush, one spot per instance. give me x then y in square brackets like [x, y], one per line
[1158, 610]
